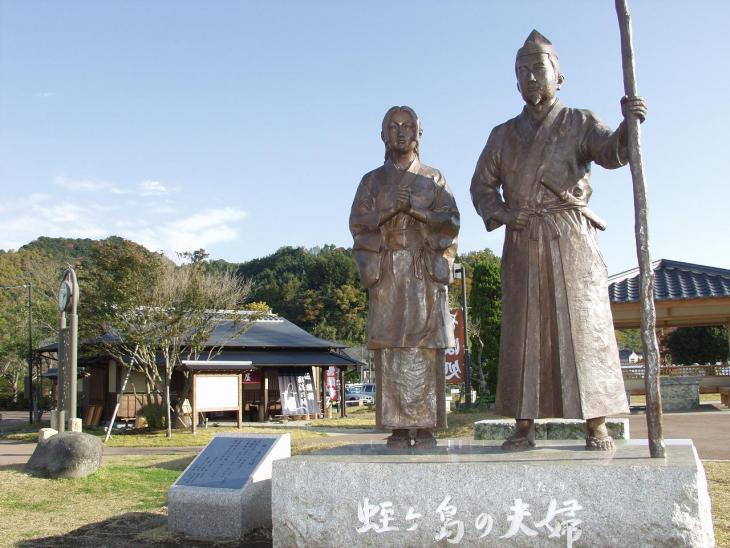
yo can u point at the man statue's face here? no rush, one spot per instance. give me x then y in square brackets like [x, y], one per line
[536, 78]
[402, 132]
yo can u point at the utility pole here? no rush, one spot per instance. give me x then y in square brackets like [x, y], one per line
[460, 273]
[33, 400]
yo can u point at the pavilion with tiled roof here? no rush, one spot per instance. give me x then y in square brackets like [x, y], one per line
[685, 294]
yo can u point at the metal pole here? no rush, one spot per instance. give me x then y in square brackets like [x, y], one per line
[467, 354]
[32, 402]
[646, 272]
[120, 395]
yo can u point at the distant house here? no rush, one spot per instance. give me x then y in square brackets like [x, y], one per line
[629, 357]
[271, 348]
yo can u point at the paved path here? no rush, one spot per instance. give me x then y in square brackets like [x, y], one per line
[709, 428]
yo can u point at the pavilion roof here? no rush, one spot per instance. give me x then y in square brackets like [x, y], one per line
[673, 280]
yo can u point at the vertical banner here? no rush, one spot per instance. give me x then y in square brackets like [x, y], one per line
[296, 390]
[454, 363]
[331, 382]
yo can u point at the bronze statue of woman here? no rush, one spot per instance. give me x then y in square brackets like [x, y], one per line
[405, 223]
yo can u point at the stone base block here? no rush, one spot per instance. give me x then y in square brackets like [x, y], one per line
[680, 393]
[75, 425]
[226, 491]
[549, 429]
[474, 494]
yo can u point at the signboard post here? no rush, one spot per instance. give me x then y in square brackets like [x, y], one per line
[68, 333]
[216, 392]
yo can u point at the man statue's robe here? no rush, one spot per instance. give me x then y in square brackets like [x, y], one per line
[406, 266]
[558, 355]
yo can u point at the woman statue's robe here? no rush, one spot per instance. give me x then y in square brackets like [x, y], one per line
[406, 265]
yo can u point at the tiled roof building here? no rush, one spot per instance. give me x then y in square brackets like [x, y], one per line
[684, 294]
[672, 280]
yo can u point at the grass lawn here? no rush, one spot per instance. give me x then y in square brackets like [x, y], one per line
[158, 438]
[124, 504]
[718, 478]
[35, 508]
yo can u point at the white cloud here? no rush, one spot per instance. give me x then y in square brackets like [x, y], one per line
[199, 230]
[45, 94]
[89, 185]
[151, 188]
[89, 213]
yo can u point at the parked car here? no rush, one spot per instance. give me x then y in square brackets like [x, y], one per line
[364, 392]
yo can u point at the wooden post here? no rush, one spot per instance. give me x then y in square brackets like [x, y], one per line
[343, 403]
[240, 400]
[646, 273]
[194, 405]
[265, 394]
[261, 394]
[322, 390]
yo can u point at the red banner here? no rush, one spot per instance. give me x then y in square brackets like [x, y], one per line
[454, 365]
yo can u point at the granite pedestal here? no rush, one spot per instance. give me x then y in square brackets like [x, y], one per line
[226, 491]
[474, 494]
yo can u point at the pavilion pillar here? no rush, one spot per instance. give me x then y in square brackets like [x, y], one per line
[322, 395]
[343, 403]
[262, 392]
[193, 398]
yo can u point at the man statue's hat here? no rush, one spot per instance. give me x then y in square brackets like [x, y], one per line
[536, 43]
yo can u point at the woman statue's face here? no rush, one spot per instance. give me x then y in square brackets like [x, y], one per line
[402, 132]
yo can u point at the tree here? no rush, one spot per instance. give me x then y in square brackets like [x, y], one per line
[629, 339]
[485, 303]
[698, 345]
[316, 288]
[158, 314]
[18, 268]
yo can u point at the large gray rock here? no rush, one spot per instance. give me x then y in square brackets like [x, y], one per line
[66, 455]
[474, 494]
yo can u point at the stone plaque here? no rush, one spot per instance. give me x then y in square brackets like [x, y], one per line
[226, 463]
[226, 491]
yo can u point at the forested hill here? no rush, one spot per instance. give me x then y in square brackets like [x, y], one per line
[63, 249]
[316, 288]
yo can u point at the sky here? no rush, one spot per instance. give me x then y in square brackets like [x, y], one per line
[241, 127]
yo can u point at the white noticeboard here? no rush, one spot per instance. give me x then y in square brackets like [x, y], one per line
[216, 392]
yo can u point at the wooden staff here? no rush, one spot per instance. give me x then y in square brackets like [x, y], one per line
[641, 227]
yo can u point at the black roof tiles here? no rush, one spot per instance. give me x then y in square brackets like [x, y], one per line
[673, 280]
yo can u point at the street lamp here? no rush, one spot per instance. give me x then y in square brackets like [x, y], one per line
[31, 400]
[460, 274]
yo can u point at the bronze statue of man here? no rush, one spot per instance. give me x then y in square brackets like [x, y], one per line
[405, 223]
[558, 355]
